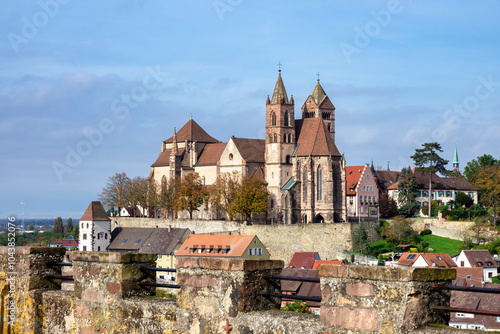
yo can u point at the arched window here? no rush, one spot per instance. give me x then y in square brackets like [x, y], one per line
[289, 137]
[273, 119]
[275, 138]
[328, 125]
[287, 116]
[285, 138]
[319, 184]
[287, 159]
[270, 138]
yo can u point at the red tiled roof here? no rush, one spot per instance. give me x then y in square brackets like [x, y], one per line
[95, 211]
[352, 175]
[314, 139]
[442, 260]
[237, 245]
[251, 150]
[408, 262]
[304, 259]
[191, 131]
[318, 263]
[164, 158]
[469, 275]
[211, 153]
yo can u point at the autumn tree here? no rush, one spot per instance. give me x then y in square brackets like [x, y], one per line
[168, 199]
[58, 226]
[399, 231]
[138, 194]
[472, 168]
[387, 206]
[488, 181]
[153, 196]
[429, 162]
[191, 194]
[69, 225]
[115, 192]
[250, 197]
[223, 191]
[407, 198]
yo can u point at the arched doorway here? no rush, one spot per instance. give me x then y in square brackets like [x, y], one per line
[319, 219]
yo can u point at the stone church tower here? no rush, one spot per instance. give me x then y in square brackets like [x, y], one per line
[305, 171]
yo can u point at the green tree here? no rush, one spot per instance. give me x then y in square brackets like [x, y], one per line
[69, 225]
[115, 192]
[31, 227]
[169, 190]
[472, 168]
[192, 193]
[360, 240]
[464, 200]
[250, 197]
[407, 198]
[223, 191]
[488, 181]
[387, 206]
[58, 226]
[429, 162]
[399, 231]
[380, 261]
[153, 197]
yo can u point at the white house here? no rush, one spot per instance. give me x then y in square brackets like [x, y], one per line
[95, 229]
[480, 258]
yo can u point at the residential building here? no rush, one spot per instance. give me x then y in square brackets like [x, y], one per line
[149, 240]
[228, 246]
[94, 229]
[480, 258]
[299, 160]
[68, 243]
[426, 260]
[303, 260]
[443, 189]
[362, 191]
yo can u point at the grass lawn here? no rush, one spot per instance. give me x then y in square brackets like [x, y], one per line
[443, 245]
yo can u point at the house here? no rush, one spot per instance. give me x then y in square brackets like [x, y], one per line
[304, 260]
[426, 260]
[229, 246]
[68, 243]
[144, 240]
[475, 301]
[298, 159]
[480, 258]
[362, 191]
[94, 229]
[130, 212]
[444, 189]
[308, 289]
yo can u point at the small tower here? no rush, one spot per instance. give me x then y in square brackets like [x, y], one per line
[456, 168]
[95, 229]
[175, 158]
[280, 141]
[318, 105]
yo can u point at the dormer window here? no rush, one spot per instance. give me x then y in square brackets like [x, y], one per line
[191, 250]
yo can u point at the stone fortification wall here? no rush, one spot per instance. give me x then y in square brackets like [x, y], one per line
[282, 241]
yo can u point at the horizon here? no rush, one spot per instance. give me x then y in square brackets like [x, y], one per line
[91, 89]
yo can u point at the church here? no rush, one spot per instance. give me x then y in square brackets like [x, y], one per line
[298, 159]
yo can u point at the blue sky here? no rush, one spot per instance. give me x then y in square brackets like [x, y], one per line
[88, 89]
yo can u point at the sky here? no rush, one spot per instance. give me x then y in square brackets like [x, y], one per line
[91, 88]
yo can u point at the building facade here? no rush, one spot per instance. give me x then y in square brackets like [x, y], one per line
[94, 229]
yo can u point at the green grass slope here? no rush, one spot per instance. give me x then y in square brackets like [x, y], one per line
[443, 245]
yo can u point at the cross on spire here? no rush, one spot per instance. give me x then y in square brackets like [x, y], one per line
[318, 76]
[279, 66]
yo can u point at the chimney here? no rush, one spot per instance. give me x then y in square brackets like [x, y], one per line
[169, 228]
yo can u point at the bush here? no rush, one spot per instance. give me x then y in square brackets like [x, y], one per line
[296, 306]
[378, 247]
[495, 279]
[425, 232]
[380, 261]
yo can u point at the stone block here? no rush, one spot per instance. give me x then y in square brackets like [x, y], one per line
[81, 311]
[359, 289]
[333, 270]
[87, 330]
[356, 318]
[94, 271]
[114, 288]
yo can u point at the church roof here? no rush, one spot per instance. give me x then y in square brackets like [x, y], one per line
[251, 150]
[164, 157]
[95, 212]
[279, 91]
[314, 139]
[211, 153]
[191, 131]
[318, 94]
[455, 156]
[259, 174]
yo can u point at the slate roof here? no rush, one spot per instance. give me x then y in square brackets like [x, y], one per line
[147, 240]
[303, 259]
[480, 258]
[386, 178]
[211, 154]
[309, 289]
[164, 158]
[259, 174]
[191, 131]
[477, 301]
[95, 211]
[468, 276]
[279, 91]
[237, 244]
[314, 139]
[352, 175]
[438, 183]
[318, 94]
[251, 150]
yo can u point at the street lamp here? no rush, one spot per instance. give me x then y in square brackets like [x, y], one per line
[22, 203]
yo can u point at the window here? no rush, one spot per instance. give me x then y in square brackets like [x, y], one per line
[250, 251]
[162, 276]
[87, 225]
[273, 119]
[230, 156]
[411, 256]
[159, 256]
[319, 185]
[207, 251]
[224, 251]
[464, 315]
[84, 236]
[275, 138]
[498, 319]
[191, 250]
[286, 118]
[216, 251]
[260, 251]
[98, 248]
[84, 248]
[462, 264]
[105, 235]
[469, 277]
[200, 250]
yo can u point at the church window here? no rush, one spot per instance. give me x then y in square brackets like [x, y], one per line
[273, 119]
[289, 138]
[329, 125]
[287, 159]
[286, 118]
[285, 138]
[275, 138]
[319, 185]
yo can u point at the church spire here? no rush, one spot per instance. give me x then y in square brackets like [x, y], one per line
[455, 161]
[279, 95]
[318, 94]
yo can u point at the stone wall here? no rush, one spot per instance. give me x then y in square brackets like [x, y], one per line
[218, 295]
[282, 241]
